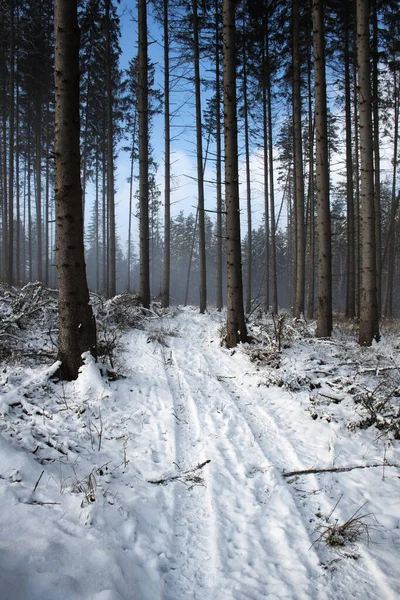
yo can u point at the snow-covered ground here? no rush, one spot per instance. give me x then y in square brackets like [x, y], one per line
[170, 481]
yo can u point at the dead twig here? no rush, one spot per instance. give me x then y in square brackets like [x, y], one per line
[181, 476]
[337, 469]
[38, 481]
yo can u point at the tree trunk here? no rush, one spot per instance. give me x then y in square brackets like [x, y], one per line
[369, 323]
[10, 274]
[144, 289]
[390, 238]
[112, 256]
[38, 177]
[77, 328]
[351, 275]
[311, 197]
[235, 327]
[324, 319]
[274, 305]
[357, 186]
[199, 153]
[376, 150]
[298, 166]
[248, 182]
[167, 165]
[219, 296]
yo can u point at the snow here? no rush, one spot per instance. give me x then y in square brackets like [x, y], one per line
[81, 514]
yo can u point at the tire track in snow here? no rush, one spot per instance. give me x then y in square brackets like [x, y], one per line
[253, 561]
[282, 453]
[192, 572]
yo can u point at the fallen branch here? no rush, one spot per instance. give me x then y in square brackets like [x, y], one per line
[338, 469]
[377, 370]
[181, 476]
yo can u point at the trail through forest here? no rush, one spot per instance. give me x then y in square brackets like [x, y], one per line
[168, 481]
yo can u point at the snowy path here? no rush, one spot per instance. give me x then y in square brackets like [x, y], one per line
[244, 560]
[235, 529]
[244, 534]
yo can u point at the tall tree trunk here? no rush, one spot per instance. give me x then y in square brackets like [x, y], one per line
[10, 274]
[351, 275]
[248, 182]
[47, 198]
[274, 278]
[357, 191]
[219, 295]
[38, 177]
[112, 254]
[390, 238]
[199, 153]
[324, 319]
[5, 222]
[311, 197]
[266, 200]
[369, 321]
[144, 289]
[77, 328]
[167, 165]
[235, 327]
[298, 166]
[104, 220]
[376, 150]
[266, 125]
[129, 253]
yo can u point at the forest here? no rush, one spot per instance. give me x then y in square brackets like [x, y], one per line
[199, 368]
[304, 161]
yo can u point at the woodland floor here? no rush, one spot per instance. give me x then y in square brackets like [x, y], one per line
[169, 480]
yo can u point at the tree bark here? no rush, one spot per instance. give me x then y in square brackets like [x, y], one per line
[351, 276]
[167, 165]
[199, 153]
[298, 166]
[248, 182]
[77, 328]
[219, 296]
[235, 327]
[324, 319]
[112, 255]
[10, 274]
[273, 270]
[143, 110]
[369, 321]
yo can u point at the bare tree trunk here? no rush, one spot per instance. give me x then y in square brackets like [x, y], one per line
[144, 289]
[266, 205]
[47, 198]
[376, 150]
[10, 274]
[311, 195]
[357, 190]
[219, 297]
[129, 253]
[390, 238]
[235, 327]
[274, 305]
[77, 328]
[167, 165]
[324, 320]
[267, 149]
[199, 153]
[248, 182]
[38, 177]
[369, 321]
[112, 255]
[298, 167]
[351, 275]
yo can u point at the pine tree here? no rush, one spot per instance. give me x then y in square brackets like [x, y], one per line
[77, 329]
